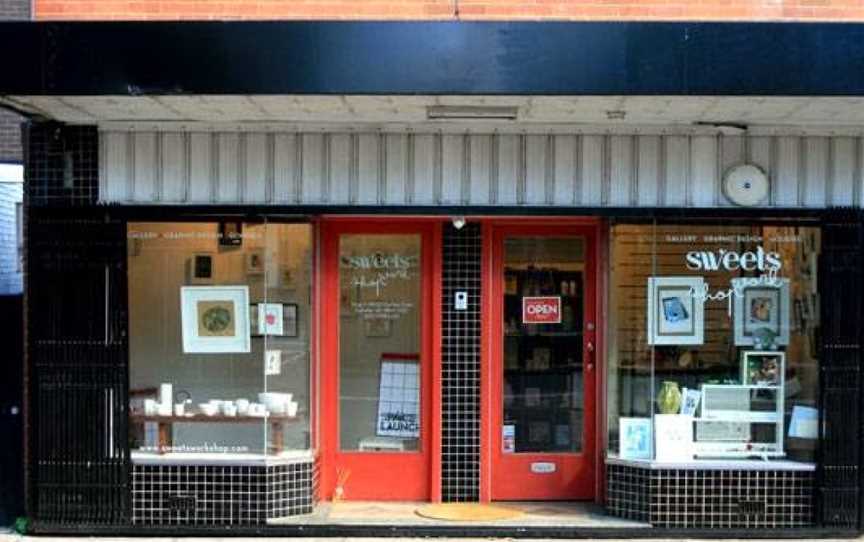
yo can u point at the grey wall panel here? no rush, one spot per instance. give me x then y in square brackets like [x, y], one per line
[590, 170]
[145, 167]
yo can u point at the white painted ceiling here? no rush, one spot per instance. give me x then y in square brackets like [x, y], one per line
[409, 112]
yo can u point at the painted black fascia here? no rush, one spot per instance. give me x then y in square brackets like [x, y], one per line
[439, 58]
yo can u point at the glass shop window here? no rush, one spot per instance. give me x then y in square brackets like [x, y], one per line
[713, 342]
[219, 345]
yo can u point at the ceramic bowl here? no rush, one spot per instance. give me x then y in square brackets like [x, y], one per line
[209, 409]
[242, 406]
[229, 410]
[275, 402]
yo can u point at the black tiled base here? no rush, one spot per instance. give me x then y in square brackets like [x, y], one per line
[688, 498]
[221, 494]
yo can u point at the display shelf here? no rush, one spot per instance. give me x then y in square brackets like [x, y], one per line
[165, 426]
[740, 420]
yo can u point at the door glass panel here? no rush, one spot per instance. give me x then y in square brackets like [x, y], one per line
[379, 342]
[543, 308]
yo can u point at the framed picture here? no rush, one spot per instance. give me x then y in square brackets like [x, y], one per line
[267, 319]
[675, 310]
[763, 368]
[214, 319]
[231, 234]
[690, 399]
[761, 313]
[290, 320]
[255, 262]
[635, 438]
[201, 269]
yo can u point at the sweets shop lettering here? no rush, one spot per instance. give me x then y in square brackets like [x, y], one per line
[376, 271]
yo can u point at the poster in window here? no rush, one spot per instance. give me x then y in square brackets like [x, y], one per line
[399, 398]
[675, 310]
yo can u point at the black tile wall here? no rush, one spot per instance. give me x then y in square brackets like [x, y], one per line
[627, 492]
[687, 498]
[221, 495]
[460, 359]
[62, 165]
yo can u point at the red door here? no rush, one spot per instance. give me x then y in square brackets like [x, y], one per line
[377, 359]
[541, 366]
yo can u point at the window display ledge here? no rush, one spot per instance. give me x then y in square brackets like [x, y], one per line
[207, 459]
[716, 464]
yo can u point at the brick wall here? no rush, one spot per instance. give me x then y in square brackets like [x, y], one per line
[10, 137]
[11, 10]
[765, 10]
[10, 123]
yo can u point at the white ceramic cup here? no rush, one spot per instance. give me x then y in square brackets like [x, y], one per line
[242, 406]
[150, 408]
[180, 409]
[292, 408]
[229, 410]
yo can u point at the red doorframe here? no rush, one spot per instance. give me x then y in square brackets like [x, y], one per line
[379, 475]
[491, 346]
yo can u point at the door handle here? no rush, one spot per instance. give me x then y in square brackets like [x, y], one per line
[589, 362]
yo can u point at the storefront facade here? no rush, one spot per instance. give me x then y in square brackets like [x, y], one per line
[236, 322]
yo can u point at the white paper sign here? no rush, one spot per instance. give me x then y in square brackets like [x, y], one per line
[272, 362]
[804, 423]
[673, 434]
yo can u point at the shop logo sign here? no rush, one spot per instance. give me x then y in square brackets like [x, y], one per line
[730, 260]
[382, 269]
[541, 310]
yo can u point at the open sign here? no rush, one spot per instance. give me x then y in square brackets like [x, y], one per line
[541, 310]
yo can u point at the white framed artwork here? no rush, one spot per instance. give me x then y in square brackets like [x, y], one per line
[759, 306]
[635, 438]
[215, 319]
[270, 319]
[676, 311]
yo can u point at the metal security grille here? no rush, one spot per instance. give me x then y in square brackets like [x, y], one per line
[78, 370]
[62, 165]
[841, 286]
[460, 359]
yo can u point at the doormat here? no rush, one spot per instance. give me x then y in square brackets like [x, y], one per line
[467, 511]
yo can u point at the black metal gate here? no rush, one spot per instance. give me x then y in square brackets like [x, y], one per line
[842, 290]
[78, 370]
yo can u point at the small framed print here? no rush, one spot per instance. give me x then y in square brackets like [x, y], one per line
[230, 234]
[762, 368]
[201, 269]
[255, 262]
[214, 319]
[270, 319]
[635, 438]
[675, 310]
[758, 306]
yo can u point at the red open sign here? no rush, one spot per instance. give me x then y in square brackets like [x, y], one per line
[541, 310]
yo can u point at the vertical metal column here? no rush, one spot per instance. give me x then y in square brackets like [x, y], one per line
[842, 294]
[460, 362]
